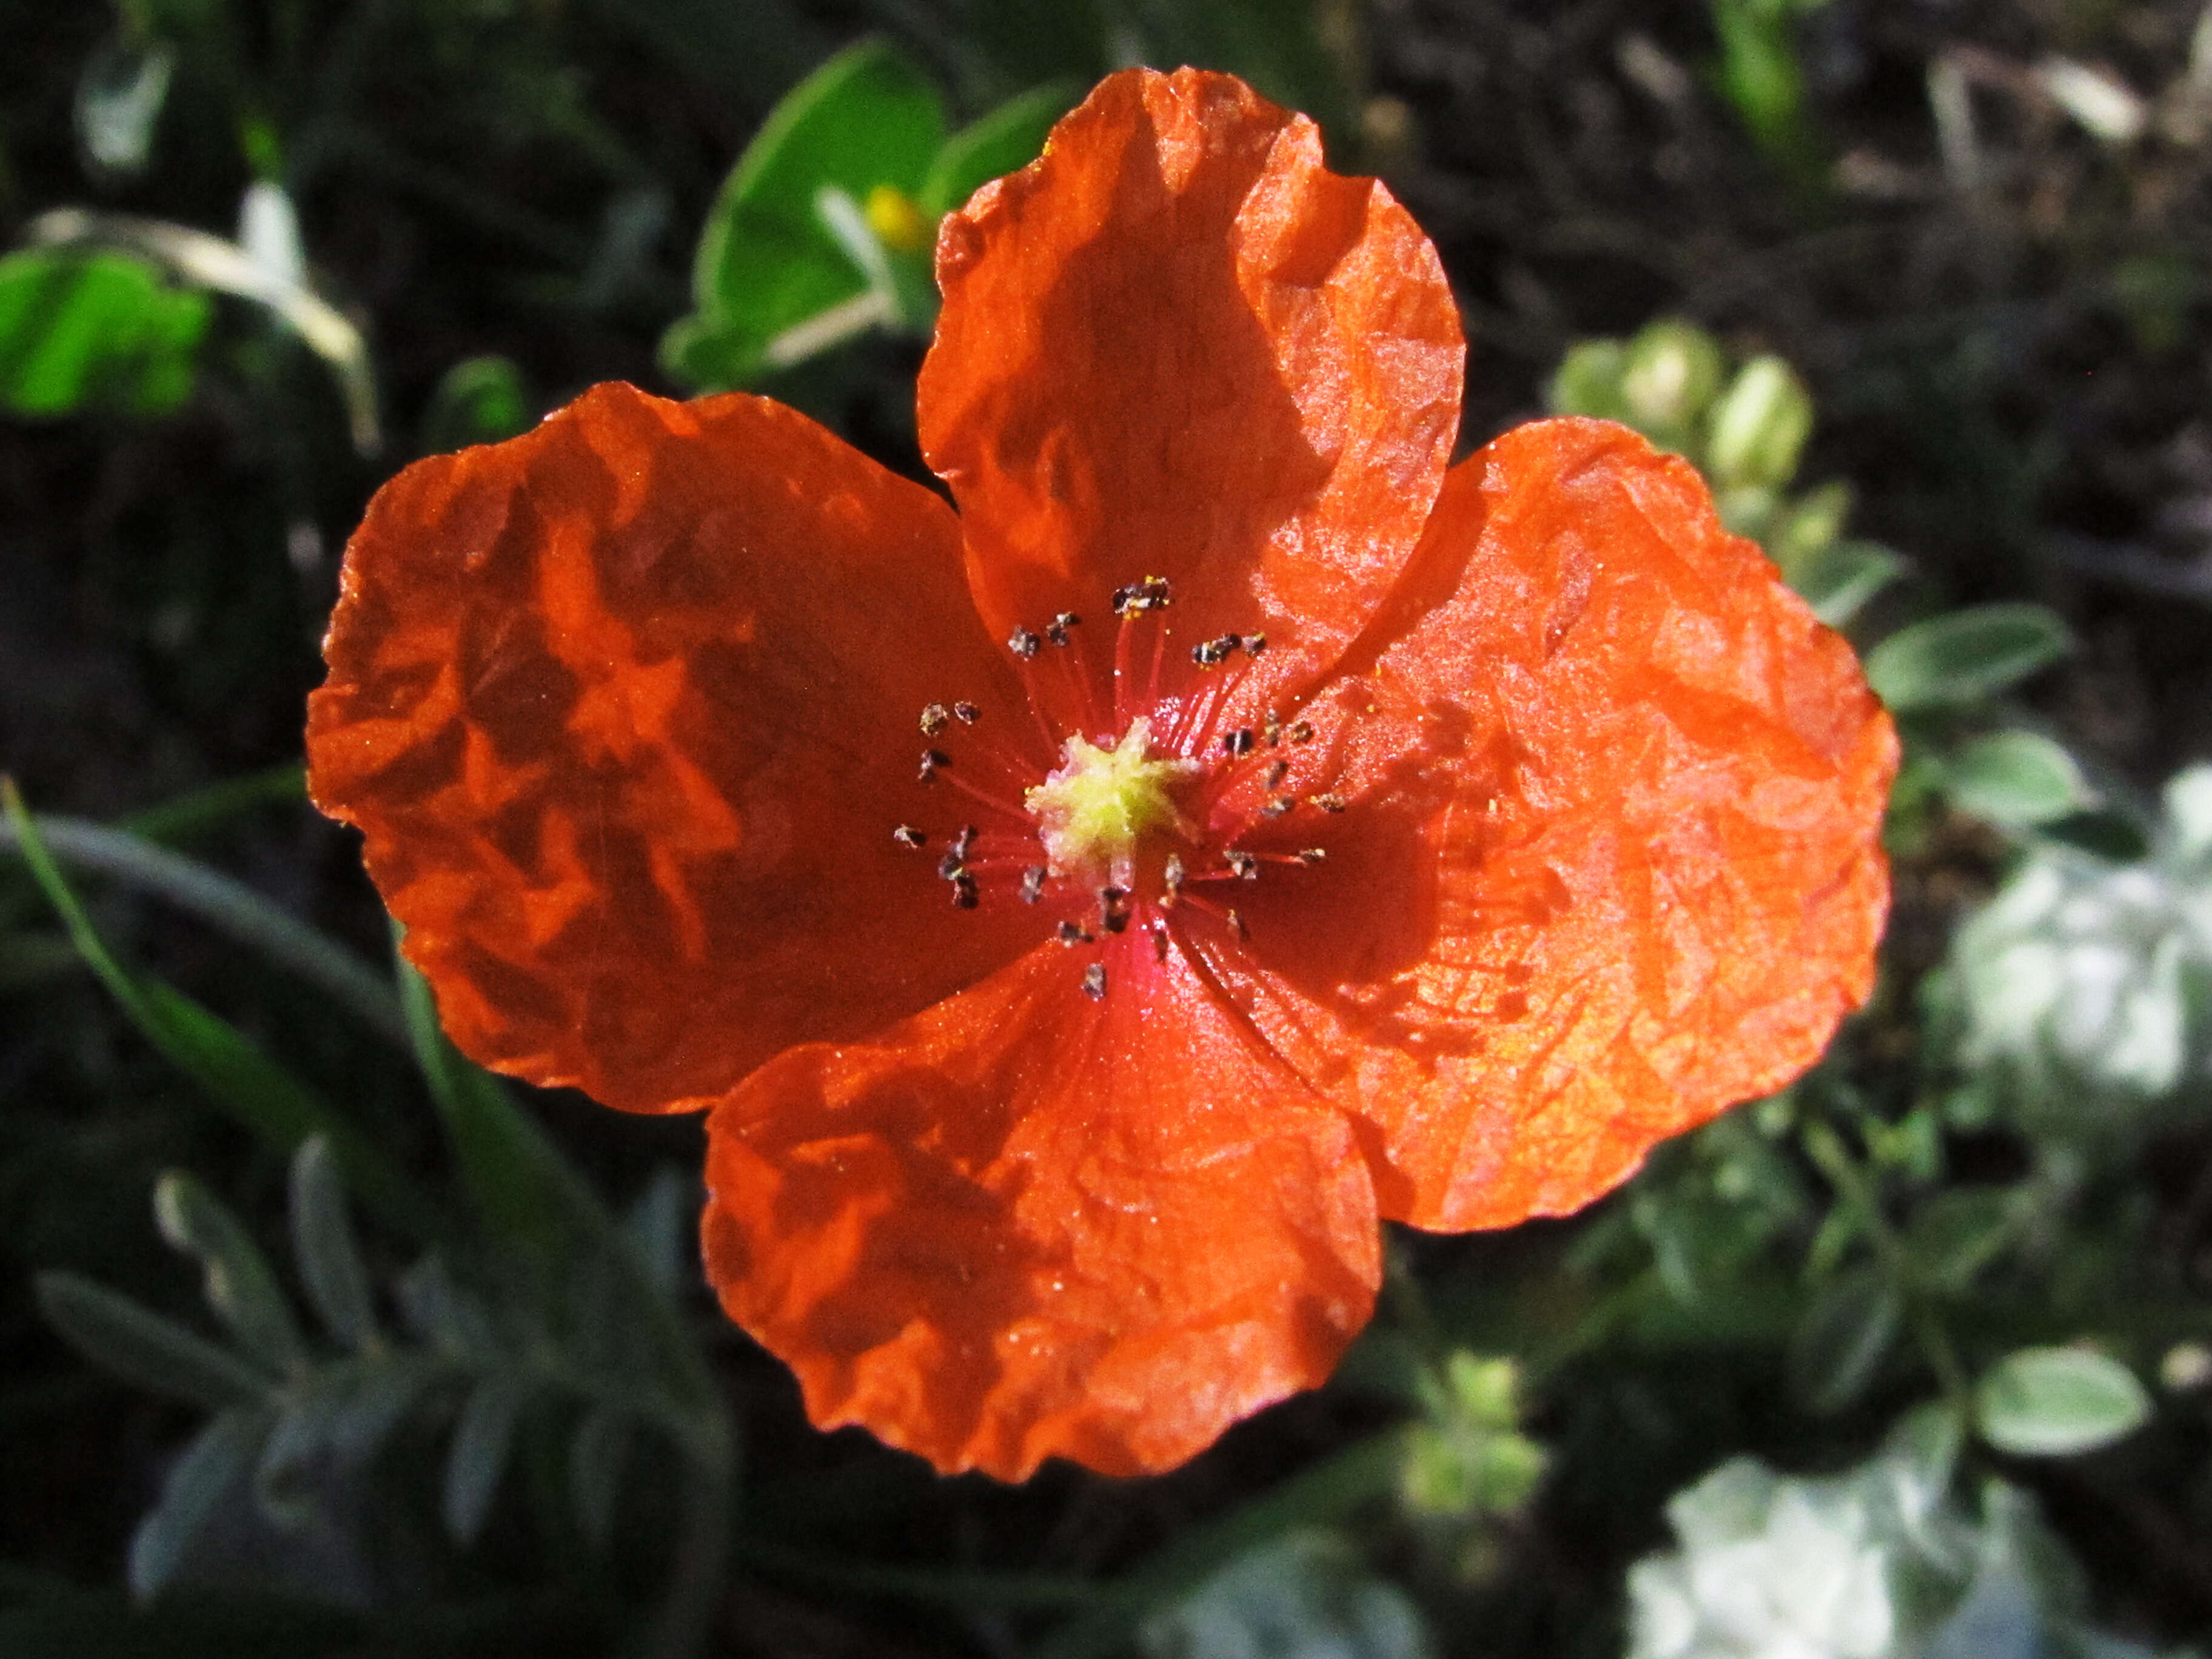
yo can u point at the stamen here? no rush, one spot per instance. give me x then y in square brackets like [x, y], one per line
[1215, 652]
[1254, 644]
[933, 719]
[1326, 803]
[1312, 854]
[1273, 730]
[1238, 744]
[1073, 933]
[1056, 630]
[934, 761]
[1302, 731]
[965, 896]
[952, 865]
[1113, 908]
[1094, 982]
[1171, 878]
[1277, 807]
[1277, 771]
[1033, 883]
[910, 835]
[1160, 946]
[1235, 924]
[966, 713]
[964, 842]
[1023, 644]
[1246, 867]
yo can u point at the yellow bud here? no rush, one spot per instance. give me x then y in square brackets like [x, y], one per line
[897, 219]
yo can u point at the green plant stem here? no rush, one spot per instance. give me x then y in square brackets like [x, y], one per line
[1329, 1491]
[1851, 1183]
[226, 904]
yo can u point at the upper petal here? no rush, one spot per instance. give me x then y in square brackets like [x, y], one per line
[1027, 1224]
[626, 708]
[1611, 861]
[1175, 345]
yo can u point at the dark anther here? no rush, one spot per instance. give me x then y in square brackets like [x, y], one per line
[1074, 933]
[1239, 743]
[1033, 883]
[1214, 652]
[1023, 643]
[934, 761]
[1254, 644]
[966, 713]
[1277, 771]
[1171, 878]
[1114, 909]
[1056, 630]
[1302, 731]
[1235, 924]
[933, 719]
[910, 835]
[1328, 802]
[1149, 594]
[1159, 945]
[952, 865]
[963, 891]
[1277, 807]
[1246, 866]
[1313, 855]
[1094, 982]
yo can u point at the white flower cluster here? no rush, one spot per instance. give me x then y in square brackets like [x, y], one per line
[1770, 1568]
[1873, 1564]
[2079, 971]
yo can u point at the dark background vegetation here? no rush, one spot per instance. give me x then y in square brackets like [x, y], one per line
[2010, 365]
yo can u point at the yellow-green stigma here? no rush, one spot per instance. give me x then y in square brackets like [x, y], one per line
[1093, 813]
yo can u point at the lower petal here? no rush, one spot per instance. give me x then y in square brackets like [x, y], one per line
[1030, 1224]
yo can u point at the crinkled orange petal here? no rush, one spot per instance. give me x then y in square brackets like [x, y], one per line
[1027, 1224]
[1610, 863]
[1175, 345]
[626, 708]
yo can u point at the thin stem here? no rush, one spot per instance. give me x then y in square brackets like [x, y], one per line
[228, 905]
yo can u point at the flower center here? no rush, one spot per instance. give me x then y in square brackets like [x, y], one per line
[1095, 811]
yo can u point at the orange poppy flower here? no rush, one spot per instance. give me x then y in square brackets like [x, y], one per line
[1086, 915]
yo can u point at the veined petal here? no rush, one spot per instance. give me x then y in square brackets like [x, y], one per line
[626, 708]
[1176, 345]
[1028, 1223]
[1609, 862]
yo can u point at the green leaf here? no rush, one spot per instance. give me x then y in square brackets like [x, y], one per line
[241, 1079]
[80, 330]
[765, 263]
[1964, 656]
[1837, 580]
[596, 1458]
[478, 1457]
[323, 1245]
[216, 1462]
[1842, 1338]
[2055, 1402]
[2017, 779]
[524, 1192]
[1957, 1233]
[143, 1347]
[239, 1286]
[996, 144]
[479, 400]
